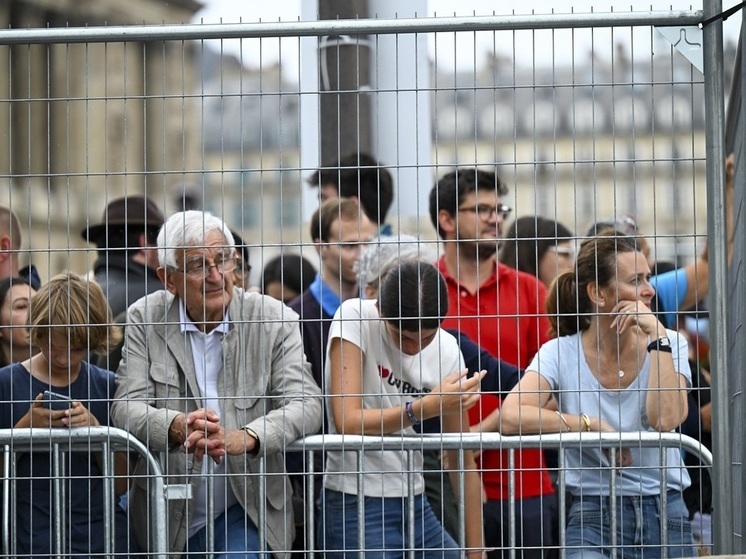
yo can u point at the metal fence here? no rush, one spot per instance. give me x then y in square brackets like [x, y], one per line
[59, 443]
[612, 441]
[111, 440]
[578, 119]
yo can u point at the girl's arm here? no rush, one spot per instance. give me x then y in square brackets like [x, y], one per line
[473, 520]
[40, 416]
[121, 473]
[346, 362]
[453, 396]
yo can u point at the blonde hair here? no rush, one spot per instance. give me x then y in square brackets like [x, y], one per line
[70, 302]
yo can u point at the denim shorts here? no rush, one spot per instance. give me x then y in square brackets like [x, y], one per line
[638, 528]
[386, 528]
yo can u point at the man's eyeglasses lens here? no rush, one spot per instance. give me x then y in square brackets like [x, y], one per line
[223, 266]
[485, 211]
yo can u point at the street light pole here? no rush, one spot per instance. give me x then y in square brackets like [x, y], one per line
[344, 80]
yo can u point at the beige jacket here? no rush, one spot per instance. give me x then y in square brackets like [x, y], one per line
[268, 386]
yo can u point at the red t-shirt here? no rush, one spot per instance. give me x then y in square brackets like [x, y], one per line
[507, 317]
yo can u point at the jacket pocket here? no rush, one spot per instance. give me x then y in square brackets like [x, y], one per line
[169, 385]
[278, 487]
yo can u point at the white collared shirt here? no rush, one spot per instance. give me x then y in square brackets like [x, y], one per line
[207, 354]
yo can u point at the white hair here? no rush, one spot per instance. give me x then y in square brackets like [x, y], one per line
[378, 256]
[188, 229]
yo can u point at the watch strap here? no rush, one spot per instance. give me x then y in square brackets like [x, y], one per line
[661, 344]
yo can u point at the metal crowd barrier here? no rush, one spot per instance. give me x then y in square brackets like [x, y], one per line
[107, 440]
[485, 441]
[110, 440]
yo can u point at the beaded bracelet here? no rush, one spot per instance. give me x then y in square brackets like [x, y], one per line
[409, 410]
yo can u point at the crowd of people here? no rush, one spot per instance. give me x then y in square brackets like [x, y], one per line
[504, 332]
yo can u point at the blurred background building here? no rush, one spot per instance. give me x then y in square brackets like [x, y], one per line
[191, 126]
[86, 123]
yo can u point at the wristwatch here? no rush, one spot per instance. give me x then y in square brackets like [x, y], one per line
[661, 344]
[251, 433]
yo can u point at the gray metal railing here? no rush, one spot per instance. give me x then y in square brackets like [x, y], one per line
[186, 32]
[494, 441]
[107, 440]
[110, 440]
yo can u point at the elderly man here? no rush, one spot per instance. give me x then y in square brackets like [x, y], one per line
[212, 372]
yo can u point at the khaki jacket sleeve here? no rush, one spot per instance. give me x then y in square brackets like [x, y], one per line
[139, 405]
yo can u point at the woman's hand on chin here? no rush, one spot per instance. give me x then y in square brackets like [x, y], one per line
[631, 314]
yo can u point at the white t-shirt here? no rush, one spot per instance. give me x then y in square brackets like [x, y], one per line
[390, 378]
[562, 363]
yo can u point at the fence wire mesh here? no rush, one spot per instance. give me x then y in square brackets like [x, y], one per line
[577, 119]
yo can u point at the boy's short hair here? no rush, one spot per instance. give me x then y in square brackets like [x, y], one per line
[361, 176]
[330, 211]
[453, 187]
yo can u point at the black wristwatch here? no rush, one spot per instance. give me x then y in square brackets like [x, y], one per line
[661, 344]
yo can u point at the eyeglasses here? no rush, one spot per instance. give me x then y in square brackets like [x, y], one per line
[563, 251]
[485, 211]
[201, 268]
[626, 224]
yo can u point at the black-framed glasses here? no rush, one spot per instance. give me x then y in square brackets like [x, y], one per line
[200, 269]
[626, 224]
[485, 211]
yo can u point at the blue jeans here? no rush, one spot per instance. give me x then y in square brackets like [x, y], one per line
[386, 528]
[234, 533]
[638, 529]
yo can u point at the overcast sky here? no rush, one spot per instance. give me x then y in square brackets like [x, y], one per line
[469, 48]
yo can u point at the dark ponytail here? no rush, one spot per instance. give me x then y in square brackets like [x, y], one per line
[567, 309]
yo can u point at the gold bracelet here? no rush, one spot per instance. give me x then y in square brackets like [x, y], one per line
[563, 421]
[586, 422]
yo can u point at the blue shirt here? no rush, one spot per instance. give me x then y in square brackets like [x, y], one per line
[670, 289]
[325, 296]
[563, 365]
[84, 488]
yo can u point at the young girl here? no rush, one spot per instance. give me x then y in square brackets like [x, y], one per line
[69, 317]
[383, 373]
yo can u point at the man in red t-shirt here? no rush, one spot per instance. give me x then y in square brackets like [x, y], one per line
[502, 310]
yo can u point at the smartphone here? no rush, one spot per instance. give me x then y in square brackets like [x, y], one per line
[55, 401]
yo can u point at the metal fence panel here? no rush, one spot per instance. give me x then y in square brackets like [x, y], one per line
[579, 120]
